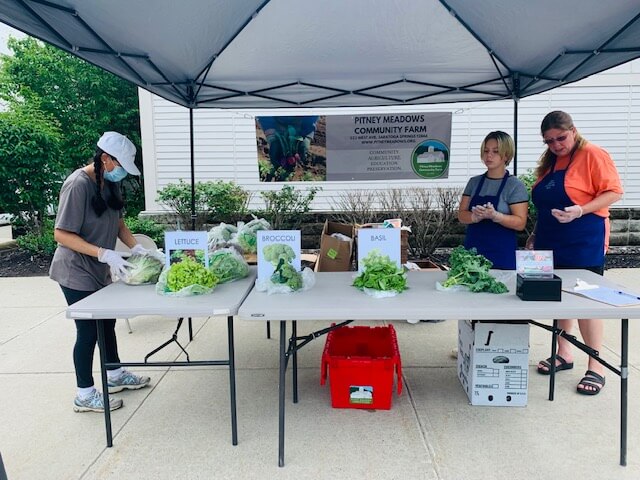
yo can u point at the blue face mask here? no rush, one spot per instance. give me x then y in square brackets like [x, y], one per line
[116, 174]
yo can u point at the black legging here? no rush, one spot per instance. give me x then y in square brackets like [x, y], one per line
[86, 339]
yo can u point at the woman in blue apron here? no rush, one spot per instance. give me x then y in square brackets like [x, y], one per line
[494, 205]
[577, 182]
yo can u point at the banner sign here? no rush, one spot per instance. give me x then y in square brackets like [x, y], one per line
[354, 147]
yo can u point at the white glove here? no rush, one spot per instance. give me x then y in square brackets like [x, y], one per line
[154, 253]
[139, 250]
[115, 261]
[568, 214]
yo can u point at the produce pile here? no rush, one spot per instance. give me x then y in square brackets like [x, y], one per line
[186, 278]
[244, 237]
[145, 270]
[380, 273]
[228, 265]
[470, 269]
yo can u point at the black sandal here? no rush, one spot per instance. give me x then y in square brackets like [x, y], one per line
[563, 365]
[593, 380]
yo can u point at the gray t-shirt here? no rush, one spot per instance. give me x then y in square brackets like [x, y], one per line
[75, 214]
[514, 191]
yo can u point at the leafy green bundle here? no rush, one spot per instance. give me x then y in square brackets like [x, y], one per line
[146, 269]
[189, 272]
[471, 269]
[228, 265]
[380, 273]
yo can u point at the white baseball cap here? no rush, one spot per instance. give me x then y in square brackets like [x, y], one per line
[120, 147]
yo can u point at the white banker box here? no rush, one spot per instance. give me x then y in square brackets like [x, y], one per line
[493, 362]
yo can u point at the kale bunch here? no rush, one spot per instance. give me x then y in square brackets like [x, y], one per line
[471, 269]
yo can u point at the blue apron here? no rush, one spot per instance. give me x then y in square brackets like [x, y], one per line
[491, 239]
[579, 243]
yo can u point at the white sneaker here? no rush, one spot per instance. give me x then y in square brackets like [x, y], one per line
[127, 381]
[95, 403]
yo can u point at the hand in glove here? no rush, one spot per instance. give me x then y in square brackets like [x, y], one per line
[139, 250]
[115, 261]
[568, 214]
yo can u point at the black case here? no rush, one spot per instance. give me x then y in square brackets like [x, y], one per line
[539, 289]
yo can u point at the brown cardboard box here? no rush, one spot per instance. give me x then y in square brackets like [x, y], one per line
[335, 255]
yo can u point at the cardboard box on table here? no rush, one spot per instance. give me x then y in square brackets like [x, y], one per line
[493, 362]
[335, 254]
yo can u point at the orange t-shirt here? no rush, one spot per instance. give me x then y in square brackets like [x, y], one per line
[590, 174]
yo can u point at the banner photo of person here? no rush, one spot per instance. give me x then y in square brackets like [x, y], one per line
[354, 147]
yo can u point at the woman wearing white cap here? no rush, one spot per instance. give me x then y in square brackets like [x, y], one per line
[88, 223]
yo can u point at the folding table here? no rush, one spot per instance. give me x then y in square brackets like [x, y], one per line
[119, 300]
[333, 299]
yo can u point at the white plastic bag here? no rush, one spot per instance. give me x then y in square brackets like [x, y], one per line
[266, 285]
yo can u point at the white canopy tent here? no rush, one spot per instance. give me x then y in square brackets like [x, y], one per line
[305, 53]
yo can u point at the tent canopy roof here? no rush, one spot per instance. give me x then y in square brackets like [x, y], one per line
[290, 53]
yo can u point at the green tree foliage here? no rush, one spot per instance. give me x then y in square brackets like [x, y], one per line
[284, 209]
[83, 100]
[29, 165]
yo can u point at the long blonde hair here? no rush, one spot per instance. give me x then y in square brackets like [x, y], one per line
[561, 121]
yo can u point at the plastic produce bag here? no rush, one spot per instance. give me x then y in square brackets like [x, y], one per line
[246, 237]
[228, 265]
[145, 271]
[220, 236]
[266, 285]
[185, 279]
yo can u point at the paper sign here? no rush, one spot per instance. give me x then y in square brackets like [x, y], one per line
[182, 244]
[536, 263]
[386, 240]
[267, 261]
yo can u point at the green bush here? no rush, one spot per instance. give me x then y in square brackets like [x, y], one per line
[284, 209]
[147, 227]
[529, 179]
[225, 201]
[214, 201]
[39, 242]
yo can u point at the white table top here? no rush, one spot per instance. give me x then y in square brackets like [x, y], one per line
[119, 300]
[334, 299]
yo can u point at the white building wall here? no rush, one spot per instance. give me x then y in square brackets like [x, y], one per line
[605, 108]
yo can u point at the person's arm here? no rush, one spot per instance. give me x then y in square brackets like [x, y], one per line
[465, 215]
[516, 220]
[576, 211]
[75, 242]
[125, 235]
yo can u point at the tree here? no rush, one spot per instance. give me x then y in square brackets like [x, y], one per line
[30, 170]
[84, 100]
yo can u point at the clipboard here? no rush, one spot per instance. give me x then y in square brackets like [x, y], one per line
[610, 296]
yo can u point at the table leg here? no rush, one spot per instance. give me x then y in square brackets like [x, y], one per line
[105, 386]
[190, 330]
[268, 329]
[552, 368]
[281, 387]
[232, 381]
[624, 374]
[294, 370]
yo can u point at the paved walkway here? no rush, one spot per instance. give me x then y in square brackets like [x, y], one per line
[180, 427]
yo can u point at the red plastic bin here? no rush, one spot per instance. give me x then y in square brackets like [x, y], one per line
[361, 362]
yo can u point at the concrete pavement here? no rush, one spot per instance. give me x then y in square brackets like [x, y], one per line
[180, 427]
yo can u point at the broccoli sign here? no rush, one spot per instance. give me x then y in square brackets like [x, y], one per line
[279, 257]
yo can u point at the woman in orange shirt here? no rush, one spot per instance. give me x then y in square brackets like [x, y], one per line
[577, 181]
